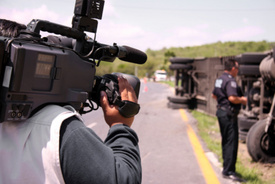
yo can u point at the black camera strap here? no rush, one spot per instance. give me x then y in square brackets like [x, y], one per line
[127, 108]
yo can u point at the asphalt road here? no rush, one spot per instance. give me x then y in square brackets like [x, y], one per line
[167, 154]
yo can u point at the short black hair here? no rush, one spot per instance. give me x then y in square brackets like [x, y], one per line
[229, 64]
[10, 28]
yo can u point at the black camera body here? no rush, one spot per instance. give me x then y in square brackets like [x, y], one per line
[36, 75]
[36, 72]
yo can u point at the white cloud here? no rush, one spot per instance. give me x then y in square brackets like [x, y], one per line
[202, 26]
[122, 34]
[114, 27]
[134, 36]
[26, 15]
[182, 37]
[243, 33]
[109, 11]
[245, 20]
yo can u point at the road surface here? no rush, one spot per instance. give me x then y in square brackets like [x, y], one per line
[169, 151]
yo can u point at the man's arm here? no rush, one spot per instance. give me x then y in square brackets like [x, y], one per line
[123, 141]
[233, 95]
[86, 159]
[237, 100]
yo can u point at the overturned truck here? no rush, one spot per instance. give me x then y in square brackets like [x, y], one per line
[194, 82]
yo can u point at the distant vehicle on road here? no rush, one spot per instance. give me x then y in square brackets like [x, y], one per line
[160, 75]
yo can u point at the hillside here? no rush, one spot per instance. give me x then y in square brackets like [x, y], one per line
[159, 59]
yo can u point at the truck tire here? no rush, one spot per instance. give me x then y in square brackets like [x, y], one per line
[245, 123]
[251, 58]
[180, 67]
[177, 105]
[257, 144]
[179, 99]
[178, 60]
[249, 70]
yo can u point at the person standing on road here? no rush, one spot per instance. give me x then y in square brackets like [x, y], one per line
[229, 98]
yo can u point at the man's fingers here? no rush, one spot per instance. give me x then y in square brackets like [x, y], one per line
[126, 90]
[104, 101]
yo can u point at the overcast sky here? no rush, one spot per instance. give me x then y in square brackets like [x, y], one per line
[156, 24]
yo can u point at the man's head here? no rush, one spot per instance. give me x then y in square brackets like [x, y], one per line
[9, 28]
[231, 66]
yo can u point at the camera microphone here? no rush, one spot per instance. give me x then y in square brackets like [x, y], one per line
[126, 53]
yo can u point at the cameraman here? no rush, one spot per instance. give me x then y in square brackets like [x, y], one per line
[54, 145]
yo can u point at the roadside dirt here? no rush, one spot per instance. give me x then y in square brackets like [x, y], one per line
[267, 171]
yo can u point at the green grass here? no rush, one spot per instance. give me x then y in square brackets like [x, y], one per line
[209, 131]
[170, 83]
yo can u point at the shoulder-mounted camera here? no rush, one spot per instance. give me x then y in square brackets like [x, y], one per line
[61, 70]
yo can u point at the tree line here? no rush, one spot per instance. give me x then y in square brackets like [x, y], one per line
[159, 59]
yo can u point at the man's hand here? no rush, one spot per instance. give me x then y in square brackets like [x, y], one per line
[111, 113]
[237, 100]
[244, 100]
[214, 96]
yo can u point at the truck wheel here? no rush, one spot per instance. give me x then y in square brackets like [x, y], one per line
[177, 105]
[245, 123]
[249, 70]
[180, 67]
[251, 58]
[179, 99]
[259, 146]
[179, 60]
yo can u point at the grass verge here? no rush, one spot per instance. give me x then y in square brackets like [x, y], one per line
[209, 131]
[170, 83]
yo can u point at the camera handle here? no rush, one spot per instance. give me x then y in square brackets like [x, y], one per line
[37, 25]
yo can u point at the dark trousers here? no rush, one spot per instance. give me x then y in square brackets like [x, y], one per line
[230, 139]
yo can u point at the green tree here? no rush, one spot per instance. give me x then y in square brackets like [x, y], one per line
[158, 59]
[168, 54]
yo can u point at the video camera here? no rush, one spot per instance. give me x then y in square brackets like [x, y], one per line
[61, 70]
